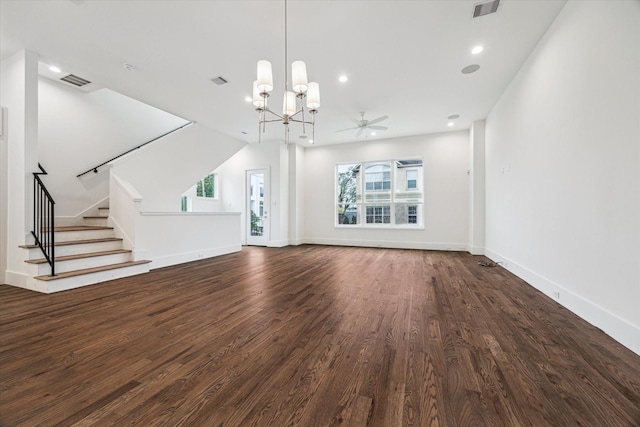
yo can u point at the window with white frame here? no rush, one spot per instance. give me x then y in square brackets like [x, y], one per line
[208, 187]
[412, 179]
[380, 194]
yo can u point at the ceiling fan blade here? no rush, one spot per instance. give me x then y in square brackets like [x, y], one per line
[360, 132]
[378, 127]
[378, 120]
[342, 130]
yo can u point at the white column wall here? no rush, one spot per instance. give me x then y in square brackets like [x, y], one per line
[19, 95]
[477, 190]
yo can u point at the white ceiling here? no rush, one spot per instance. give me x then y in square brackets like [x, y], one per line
[403, 58]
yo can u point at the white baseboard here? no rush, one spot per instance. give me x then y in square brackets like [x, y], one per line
[297, 242]
[475, 250]
[173, 259]
[15, 278]
[277, 243]
[24, 281]
[433, 246]
[619, 329]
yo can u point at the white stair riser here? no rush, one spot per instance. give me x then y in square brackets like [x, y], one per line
[68, 236]
[103, 212]
[93, 278]
[97, 221]
[79, 264]
[80, 248]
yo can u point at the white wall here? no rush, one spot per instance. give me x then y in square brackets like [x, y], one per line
[3, 193]
[19, 95]
[296, 194]
[162, 171]
[446, 192]
[232, 185]
[80, 130]
[563, 167]
[477, 188]
[178, 237]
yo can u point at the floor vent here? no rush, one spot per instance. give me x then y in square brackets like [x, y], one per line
[485, 8]
[75, 80]
[220, 80]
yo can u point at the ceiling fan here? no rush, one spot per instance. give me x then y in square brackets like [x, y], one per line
[364, 124]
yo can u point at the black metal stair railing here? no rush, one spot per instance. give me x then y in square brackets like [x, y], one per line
[43, 215]
[95, 168]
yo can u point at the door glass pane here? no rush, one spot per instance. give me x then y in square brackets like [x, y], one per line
[257, 204]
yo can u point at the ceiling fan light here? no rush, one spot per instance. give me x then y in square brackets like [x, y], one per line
[313, 96]
[299, 77]
[289, 104]
[258, 100]
[265, 76]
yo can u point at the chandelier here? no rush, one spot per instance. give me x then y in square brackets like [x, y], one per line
[301, 90]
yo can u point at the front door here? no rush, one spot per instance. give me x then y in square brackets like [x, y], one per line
[257, 207]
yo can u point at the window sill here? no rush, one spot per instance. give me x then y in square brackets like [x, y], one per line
[380, 227]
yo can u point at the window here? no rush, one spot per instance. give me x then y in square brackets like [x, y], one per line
[378, 177]
[379, 214]
[384, 193]
[207, 187]
[412, 214]
[184, 204]
[347, 193]
[412, 179]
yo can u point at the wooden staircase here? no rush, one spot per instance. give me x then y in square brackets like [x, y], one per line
[85, 254]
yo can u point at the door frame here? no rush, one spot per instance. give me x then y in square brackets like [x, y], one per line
[266, 232]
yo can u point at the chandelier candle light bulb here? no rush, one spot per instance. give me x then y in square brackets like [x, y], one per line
[313, 96]
[265, 77]
[299, 77]
[289, 105]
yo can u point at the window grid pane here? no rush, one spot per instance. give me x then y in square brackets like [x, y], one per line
[377, 190]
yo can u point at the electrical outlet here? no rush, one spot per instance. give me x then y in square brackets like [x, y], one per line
[556, 294]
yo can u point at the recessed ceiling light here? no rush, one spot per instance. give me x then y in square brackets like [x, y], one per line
[343, 78]
[248, 98]
[450, 124]
[470, 69]
[454, 116]
[55, 69]
[373, 134]
[311, 141]
[476, 50]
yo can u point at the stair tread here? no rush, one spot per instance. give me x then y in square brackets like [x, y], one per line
[104, 207]
[79, 256]
[81, 228]
[92, 270]
[77, 242]
[95, 217]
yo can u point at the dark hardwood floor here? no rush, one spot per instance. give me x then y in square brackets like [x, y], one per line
[310, 336]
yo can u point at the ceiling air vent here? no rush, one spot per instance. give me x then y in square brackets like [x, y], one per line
[75, 80]
[485, 8]
[220, 80]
